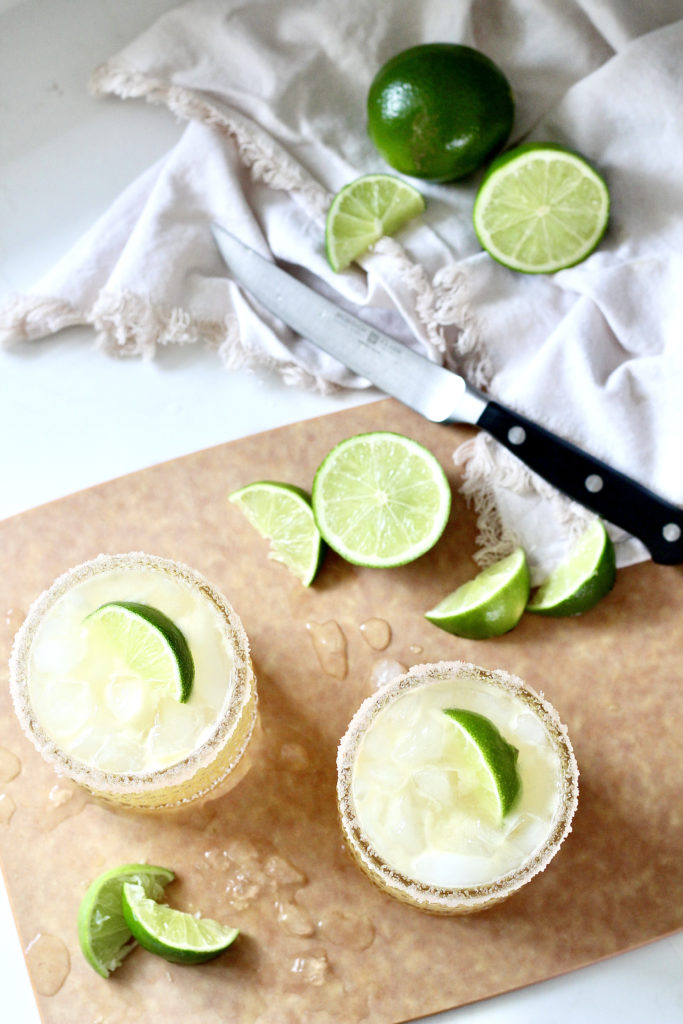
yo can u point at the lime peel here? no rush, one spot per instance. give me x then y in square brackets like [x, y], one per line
[497, 757]
[176, 936]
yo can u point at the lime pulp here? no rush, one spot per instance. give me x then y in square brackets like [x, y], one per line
[363, 212]
[172, 934]
[490, 604]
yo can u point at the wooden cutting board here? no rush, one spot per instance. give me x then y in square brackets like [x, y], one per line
[268, 857]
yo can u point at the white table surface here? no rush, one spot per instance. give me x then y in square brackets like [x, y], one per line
[63, 158]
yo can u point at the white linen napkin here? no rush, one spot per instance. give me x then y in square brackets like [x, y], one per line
[274, 95]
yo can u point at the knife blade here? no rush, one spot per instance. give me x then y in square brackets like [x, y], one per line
[443, 396]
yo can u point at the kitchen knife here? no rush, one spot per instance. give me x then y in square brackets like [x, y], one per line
[444, 397]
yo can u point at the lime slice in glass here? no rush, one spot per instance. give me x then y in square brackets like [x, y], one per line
[282, 513]
[143, 642]
[488, 758]
[490, 604]
[381, 499]
[365, 210]
[103, 934]
[541, 208]
[176, 936]
[585, 578]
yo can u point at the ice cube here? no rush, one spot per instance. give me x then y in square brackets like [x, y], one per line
[120, 753]
[58, 646]
[436, 784]
[452, 869]
[177, 730]
[65, 706]
[127, 697]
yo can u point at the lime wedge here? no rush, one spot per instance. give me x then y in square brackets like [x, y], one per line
[103, 934]
[283, 515]
[381, 499]
[541, 208]
[584, 579]
[176, 936]
[489, 758]
[490, 604]
[365, 210]
[143, 642]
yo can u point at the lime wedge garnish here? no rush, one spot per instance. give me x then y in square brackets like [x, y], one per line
[488, 758]
[103, 934]
[381, 499]
[490, 604]
[541, 208]
[143, 642]
[585, 578]
[282, 513]
[365, 210]
[176, 936]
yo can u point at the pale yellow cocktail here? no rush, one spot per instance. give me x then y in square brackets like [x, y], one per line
[112, 723]
[420, 810]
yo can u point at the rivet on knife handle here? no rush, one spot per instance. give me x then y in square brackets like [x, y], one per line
[609, 493]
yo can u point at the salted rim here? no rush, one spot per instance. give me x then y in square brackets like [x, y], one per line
[96, 779]
[454, 899]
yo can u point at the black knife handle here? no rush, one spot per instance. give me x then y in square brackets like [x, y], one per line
[612, 495]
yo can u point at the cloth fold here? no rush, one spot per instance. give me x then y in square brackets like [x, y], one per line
[274, 98]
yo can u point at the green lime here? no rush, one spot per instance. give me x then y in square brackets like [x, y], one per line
[585, 578]
[282, 514]
[176, 936]
[142, 641]
[489, 758]
[490, 604]
[381, 499]
[541, 208]
[439, 110]
[363, 212]
[103, 934]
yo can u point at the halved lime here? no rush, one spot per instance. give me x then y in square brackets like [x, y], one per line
[143, 642]
[541, 208]
[282, 514]
[585, 578]
[489, 757]
[381, 499]
[490, 604]
[176, 936]
[103, 934]
[365, 210]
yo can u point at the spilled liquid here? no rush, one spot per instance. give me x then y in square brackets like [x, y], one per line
[10, 765]
[65, 800]
[376, 633]
[353, 931]
[329, 644]
[48, 962]
[7, 808]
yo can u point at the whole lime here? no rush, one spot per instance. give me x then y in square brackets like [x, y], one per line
[439, 110]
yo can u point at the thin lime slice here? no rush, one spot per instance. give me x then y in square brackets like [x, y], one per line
[584, 579]
[490, 604]
[489, 758]
[176, 936]
[381, 499]
[541, 208]
[143, 642]
[103, 934]
[282, 513]
[365, 210]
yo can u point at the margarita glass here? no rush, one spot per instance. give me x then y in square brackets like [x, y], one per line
[419, 805]
[122, 736]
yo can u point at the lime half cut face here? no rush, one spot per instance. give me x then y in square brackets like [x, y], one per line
[172, 934]
[282, 514]
[585, 578]
[363, 212]
[489, 758]
[541, 208]
[490, 604]
[381, 499]
[103, 934]
[142, 641]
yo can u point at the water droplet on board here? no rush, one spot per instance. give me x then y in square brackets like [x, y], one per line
[13, 619]
[384, 670]
[294, 757]
[7, 808]
[350, 930]
[376, 633]
[10, 765]
[329, 643]
[415, 649]
[313, 970]
[66, 800]
[48, 962]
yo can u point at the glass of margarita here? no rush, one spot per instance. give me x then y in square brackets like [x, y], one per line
[451, 817]
[132, 676]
